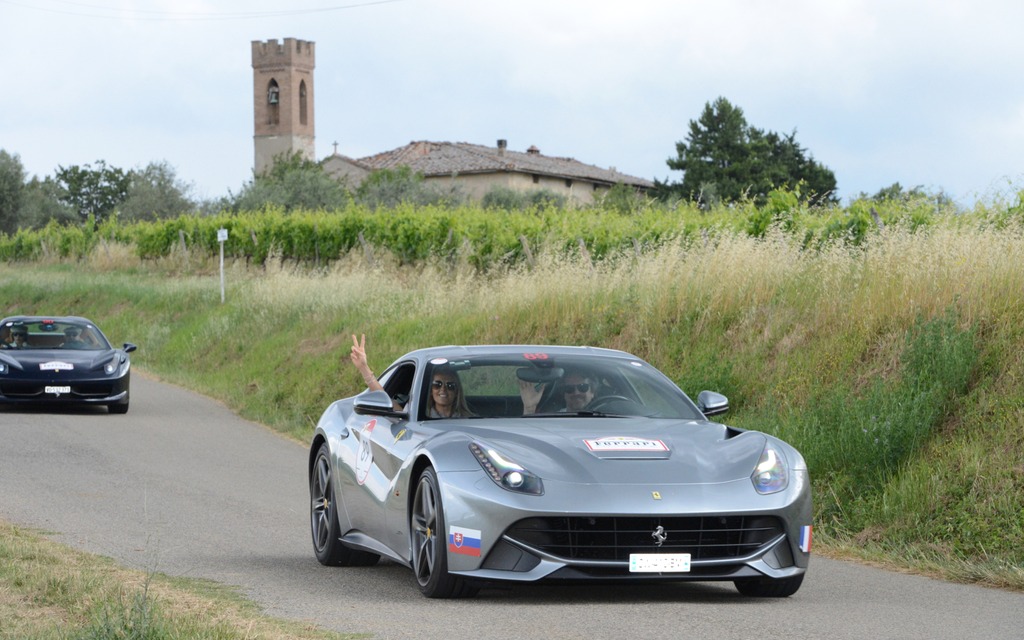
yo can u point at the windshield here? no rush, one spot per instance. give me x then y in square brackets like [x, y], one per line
[52, 334]
[541, 385]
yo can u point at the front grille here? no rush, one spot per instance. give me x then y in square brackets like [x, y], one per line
[13, 389]
[614, 538]
[21, 389]
[92, 389]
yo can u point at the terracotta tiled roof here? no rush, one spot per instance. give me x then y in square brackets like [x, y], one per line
[447, 158]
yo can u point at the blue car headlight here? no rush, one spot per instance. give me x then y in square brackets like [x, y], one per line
[3, 367]
[506, 473]
[771, 474]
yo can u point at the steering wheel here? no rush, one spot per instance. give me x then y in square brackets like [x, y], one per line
[597, 403]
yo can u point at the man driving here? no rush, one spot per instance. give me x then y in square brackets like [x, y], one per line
[73, 339]
[579, 391]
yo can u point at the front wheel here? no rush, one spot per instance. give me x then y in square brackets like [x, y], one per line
[769, 588]
[429, 544]
[323, 518]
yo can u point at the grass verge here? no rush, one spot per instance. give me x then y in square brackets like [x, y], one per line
[51, 592]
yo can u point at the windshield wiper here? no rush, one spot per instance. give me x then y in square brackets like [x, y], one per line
[576, 414]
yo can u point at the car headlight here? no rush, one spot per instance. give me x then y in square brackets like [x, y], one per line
[506, 473]
[771, 474]
[3, 367]
[112, 366]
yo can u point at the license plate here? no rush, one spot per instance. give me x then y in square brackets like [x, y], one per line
[58, 390]
[659, 563]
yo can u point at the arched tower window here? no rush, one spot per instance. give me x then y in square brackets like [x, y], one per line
[273, 103]
[303, 117]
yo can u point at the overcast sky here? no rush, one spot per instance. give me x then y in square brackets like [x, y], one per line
[919, 92]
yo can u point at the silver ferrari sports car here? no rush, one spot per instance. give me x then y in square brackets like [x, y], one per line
[62, 360]
[479, 465]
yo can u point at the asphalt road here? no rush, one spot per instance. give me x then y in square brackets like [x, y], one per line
[180, 485]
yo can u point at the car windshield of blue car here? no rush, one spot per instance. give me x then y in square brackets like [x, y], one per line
[554, 386]
[54, 334]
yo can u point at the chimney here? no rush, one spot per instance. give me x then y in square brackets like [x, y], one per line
[502, 145]
[533, 150]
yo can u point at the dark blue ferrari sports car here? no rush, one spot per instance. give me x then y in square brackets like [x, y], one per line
[62, 360]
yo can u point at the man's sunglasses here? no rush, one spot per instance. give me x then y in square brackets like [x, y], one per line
[582, 387]
[437, 384]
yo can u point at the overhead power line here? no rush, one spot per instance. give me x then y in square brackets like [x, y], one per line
[87, 10]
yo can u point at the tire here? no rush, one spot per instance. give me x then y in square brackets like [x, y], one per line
[323, 519]
[120, 407]
[429, 546]
[769, 588]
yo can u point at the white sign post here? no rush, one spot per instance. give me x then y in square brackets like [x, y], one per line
[222, 237]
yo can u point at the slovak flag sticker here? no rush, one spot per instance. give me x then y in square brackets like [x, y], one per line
[464, 541]
[805, 538]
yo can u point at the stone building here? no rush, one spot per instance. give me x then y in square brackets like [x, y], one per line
[477, 169]
[283, 99]
[282, 80]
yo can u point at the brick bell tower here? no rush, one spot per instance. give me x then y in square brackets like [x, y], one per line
[282, 85]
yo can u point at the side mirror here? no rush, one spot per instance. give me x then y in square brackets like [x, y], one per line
[129, 347]
[711, 403]
[376, 403]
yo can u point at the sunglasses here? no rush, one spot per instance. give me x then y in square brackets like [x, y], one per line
[437, 384]
[582, 387]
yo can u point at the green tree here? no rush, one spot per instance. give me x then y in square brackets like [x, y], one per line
[386, 188]
[714, 157]
[293, 182]
[41, 204]
[503, 198]
[897, 194]
[546, 198]
[93, 192]
[726, 159]
[12, 186]
[622, 198]
[155, 193]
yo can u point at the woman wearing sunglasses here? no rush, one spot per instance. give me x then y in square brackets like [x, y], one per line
[446, 397]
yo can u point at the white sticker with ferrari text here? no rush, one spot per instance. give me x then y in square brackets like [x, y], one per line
[622, 443]
[56, 365]
[659, 563]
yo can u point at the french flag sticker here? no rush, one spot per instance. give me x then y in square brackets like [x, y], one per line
[464, 541]
[805, 538]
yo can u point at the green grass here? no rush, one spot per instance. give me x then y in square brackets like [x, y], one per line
[894, 365]
[50, 592]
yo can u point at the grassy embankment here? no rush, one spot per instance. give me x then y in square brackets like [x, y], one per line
[896, 367]
[50, 592]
